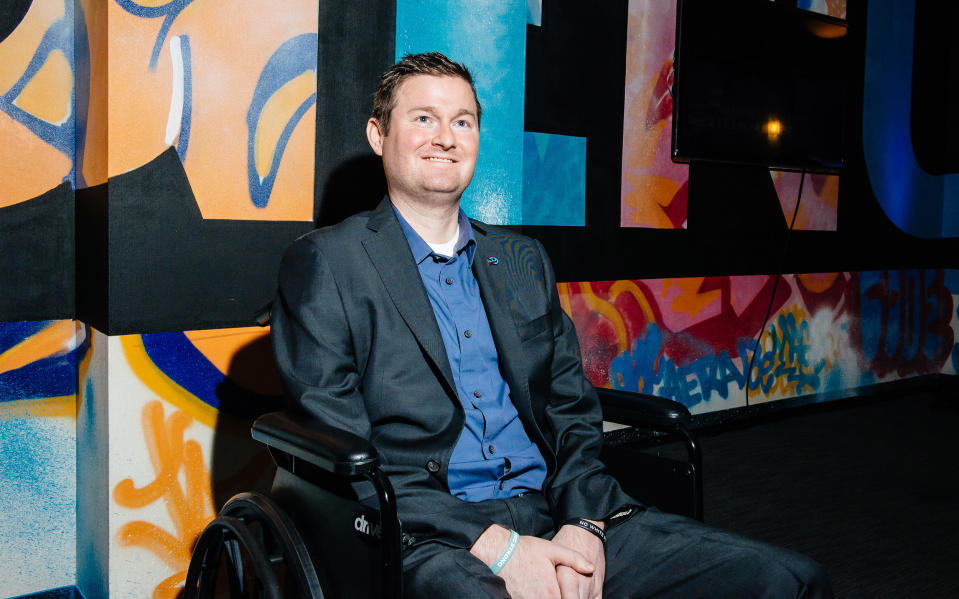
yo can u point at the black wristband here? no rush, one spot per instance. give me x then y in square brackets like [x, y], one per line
[587, 525]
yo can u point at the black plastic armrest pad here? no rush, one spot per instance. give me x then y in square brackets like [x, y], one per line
[332, 449]
[639, 409]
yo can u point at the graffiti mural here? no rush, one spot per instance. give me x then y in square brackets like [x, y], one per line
[206, 371]
[37, 115]
[819, 204]
[906, 322]
[654, 188]
[243, 129]
[189, 503]
[38, 366]
[180, 445]
[695, 339]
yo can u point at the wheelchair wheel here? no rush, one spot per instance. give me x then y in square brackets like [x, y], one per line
[264, 555]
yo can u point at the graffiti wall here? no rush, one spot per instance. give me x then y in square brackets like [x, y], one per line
[179, 445]
[173, 81]
[159, 439]
[94, 95]
[707, 342]
[654, 188]
[243, 129]
[193, 124]
[37, 115]
[94, 90]
[38, 365]
[38, 167]
[809, 201]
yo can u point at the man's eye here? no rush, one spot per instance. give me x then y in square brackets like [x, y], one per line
[422, 119]
[462, 123]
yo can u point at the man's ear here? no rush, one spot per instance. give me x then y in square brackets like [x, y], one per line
[374, 134]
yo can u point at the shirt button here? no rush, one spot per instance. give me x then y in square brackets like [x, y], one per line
[491, 449]
[467, 333]
[433, 466]
[507, 466]
[449, 280]
[477, 393]
[501, 483]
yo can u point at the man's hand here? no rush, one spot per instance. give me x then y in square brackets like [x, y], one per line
[532, 571]
[577, 585]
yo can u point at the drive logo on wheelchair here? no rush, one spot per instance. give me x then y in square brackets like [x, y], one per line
[364, 526]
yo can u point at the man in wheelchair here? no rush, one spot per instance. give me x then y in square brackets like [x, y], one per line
[441, 340]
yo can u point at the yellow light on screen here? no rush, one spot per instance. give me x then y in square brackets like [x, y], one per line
[773, 129]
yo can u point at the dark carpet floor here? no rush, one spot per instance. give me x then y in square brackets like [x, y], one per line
[868, 487]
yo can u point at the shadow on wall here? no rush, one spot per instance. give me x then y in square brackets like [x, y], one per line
[250, 389]
[252, 386]
[357, 184]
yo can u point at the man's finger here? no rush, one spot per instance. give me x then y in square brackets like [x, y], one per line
[570, 585]
[574, 559]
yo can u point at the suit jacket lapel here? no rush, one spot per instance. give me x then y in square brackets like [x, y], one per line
[390, 253]
[491, 278]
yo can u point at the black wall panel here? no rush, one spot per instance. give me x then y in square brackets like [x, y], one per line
[168, 269]
[37, 257]
[357, 42]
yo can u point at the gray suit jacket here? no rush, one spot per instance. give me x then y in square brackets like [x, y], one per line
[358, 347]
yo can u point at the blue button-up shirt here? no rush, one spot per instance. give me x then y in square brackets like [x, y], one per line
[494, 457]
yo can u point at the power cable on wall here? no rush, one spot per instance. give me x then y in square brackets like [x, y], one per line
[772, 297]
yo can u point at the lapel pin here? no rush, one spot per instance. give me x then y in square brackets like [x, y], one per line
[493, 260]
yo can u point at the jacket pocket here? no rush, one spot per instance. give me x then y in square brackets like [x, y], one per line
[528, 330]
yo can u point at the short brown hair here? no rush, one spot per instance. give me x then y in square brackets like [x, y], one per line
[428, 63]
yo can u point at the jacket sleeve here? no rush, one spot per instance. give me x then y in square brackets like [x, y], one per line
[316, 355]
[580, 487]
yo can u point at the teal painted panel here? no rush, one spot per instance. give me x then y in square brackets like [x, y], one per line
[554, 180]
[489, 37]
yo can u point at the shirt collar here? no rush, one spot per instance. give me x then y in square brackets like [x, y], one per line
[421, 250]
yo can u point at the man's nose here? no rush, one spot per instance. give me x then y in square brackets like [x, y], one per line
[444, 137]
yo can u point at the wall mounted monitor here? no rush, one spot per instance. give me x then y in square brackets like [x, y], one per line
[759, 82]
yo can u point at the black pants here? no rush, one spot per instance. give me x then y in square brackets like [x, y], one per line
[653, 554]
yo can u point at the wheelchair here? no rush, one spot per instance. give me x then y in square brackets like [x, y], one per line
[312, 538]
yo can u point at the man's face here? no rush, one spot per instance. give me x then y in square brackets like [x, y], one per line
[430, 151]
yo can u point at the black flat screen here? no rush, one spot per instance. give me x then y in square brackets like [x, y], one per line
[759, 82]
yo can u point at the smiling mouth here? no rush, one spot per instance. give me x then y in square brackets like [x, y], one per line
[444, 160]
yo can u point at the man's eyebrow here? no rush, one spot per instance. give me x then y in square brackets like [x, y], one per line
[433, 110]
[465, 111]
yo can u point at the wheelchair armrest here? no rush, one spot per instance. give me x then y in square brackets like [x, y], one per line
[639, 409]
[661, 415]
[332, 449]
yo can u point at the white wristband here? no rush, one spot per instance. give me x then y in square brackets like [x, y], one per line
[507, 553]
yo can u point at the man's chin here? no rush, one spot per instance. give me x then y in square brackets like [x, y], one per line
[444, 188]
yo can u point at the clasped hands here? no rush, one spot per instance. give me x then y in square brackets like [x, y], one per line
[570, 566]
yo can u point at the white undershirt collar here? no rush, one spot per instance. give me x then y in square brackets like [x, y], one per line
[446, 248]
